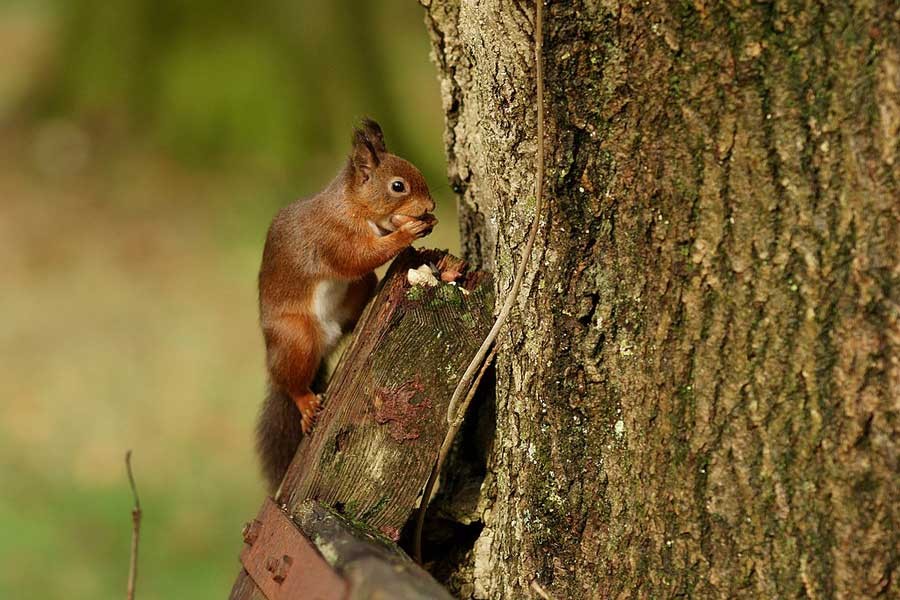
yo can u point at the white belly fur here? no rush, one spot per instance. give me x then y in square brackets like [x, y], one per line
[327, 300]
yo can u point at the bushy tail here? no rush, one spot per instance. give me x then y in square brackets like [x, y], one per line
[277, 434]
[279, 430]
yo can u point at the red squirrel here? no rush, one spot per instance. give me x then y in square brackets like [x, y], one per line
[317, 276]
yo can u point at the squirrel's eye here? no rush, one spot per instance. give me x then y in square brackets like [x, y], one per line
[397, 186]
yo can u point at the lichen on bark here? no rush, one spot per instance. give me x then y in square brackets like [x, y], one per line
[699, 390]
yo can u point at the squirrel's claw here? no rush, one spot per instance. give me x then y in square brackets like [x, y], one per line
[309, 406]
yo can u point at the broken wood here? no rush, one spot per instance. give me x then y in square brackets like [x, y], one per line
[385, 411]
[283, 563]
[317, 554]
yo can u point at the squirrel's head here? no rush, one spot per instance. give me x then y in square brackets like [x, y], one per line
[383, 184]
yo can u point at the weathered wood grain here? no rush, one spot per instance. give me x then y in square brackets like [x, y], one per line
[385, 410]
[384, 416]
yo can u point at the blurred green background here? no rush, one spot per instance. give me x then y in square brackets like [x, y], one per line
[144, 146]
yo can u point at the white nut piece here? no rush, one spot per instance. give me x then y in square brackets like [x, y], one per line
[421, 276]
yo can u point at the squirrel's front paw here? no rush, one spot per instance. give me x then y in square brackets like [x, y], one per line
[419, 227]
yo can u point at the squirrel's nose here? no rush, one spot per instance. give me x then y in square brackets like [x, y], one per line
[430, 204]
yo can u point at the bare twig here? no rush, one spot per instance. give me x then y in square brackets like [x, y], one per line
[466, 387]
[135, 528]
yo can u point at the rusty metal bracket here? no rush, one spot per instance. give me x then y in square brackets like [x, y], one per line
[283, 562]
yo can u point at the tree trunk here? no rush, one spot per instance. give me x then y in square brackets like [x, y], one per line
[698, 393]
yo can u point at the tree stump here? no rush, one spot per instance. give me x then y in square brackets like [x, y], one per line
[385, 412]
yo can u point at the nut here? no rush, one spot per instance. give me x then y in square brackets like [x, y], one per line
[422, 276]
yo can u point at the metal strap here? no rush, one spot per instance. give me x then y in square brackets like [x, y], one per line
[283, 563]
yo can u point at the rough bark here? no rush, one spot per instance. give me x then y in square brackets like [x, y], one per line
[699, 392]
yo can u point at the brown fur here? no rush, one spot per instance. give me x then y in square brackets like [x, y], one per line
[328, 238]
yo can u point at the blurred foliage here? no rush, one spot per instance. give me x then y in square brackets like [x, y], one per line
[144, 145]
[268, 81]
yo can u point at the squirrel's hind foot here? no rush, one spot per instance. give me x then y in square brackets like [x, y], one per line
[309, 405]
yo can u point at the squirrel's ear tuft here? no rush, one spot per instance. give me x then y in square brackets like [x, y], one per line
[373, 133]
[364, 157]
